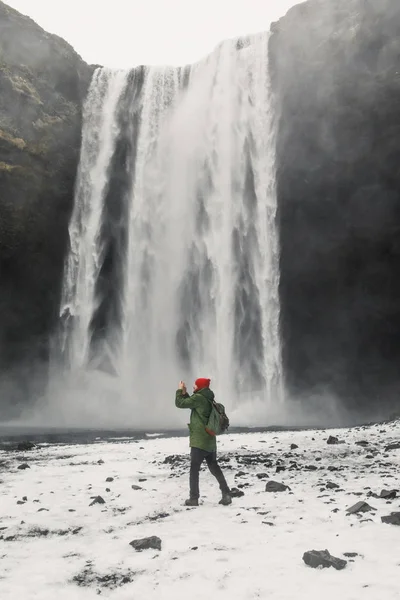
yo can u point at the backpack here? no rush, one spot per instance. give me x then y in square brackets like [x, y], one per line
[218, 421]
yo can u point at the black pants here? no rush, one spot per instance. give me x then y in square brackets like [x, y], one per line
[197, 456]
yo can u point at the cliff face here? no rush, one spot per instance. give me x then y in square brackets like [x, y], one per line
[336, 74]
[42, 84]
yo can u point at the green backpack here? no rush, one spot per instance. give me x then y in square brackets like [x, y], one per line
[218, 421]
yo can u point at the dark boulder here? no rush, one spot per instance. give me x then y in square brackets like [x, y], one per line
[148, 543]
[275, 486]
[392, 519]
[322, 558]
[332, 440]
[359, 507]
[97, 500]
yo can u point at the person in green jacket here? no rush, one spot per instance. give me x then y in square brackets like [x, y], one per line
[203, 445]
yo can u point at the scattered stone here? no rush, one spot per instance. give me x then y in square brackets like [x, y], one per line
[388, 494]
[240, 474]
[280, 468]
[311, 468]
[100, 462]
[20, 502]
[362, 443]
[195, 548]
[394, 446]
[159, 516]
[136, 487]
[43, 510]
[359, 507]
[332, 440]
[262, 475]
[23, 466]
[392, 519]
[332, 486]
[149, 543]
[322, 558]
[275, 486]
[293, 446]
[350, 554]
[97, 500]
[109, 479]
[87, 577]
[142, 480]
[108, 490]
[236, 493]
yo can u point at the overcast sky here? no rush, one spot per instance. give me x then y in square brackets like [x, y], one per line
[125, 33]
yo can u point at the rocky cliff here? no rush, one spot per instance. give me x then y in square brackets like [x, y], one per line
[336, 74]
[42, 84]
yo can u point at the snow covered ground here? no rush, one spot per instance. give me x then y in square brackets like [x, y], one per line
[54, 545]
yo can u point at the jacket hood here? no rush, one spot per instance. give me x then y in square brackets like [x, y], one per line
[207, 393]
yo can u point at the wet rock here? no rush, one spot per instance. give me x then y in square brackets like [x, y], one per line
[392, 519]
[394, 446]
[236, 493]
[97, 500]
[240, 474]
[322, 558]
[23, 466]
[359, 507]
[332, 486]
[148, 543]
[275, 486]
[332, 440]
[388, 494]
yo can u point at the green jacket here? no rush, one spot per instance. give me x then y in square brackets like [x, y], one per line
[201, 410]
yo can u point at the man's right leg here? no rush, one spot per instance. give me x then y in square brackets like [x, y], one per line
[196, 458]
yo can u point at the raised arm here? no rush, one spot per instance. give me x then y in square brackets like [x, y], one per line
[183, 400]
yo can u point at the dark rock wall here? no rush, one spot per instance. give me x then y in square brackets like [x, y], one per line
[336, 74]
[42, 85]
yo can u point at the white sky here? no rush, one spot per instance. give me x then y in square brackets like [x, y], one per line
[125, 33]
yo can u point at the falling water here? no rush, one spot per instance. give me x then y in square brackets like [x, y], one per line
[198, 294]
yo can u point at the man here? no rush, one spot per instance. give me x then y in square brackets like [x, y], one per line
[203, 445]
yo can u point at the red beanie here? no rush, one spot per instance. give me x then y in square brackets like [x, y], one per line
[202, 382]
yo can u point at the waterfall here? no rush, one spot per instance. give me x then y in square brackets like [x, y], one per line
[176, 207]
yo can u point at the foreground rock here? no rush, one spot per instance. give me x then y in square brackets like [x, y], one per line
[392, 519]
[322, 558]
[43, 82]
[275, 486]
[359, 507]
[148, 543]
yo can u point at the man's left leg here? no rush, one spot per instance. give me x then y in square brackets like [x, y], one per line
[215, 469]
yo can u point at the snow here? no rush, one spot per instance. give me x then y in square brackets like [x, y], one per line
[239, 556]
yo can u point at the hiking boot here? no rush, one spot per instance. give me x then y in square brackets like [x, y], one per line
[192, 502]
[226, 499]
